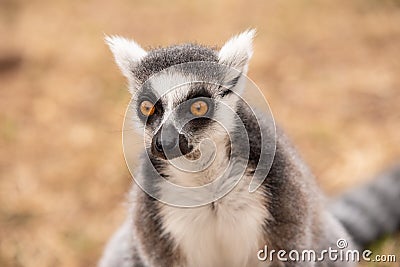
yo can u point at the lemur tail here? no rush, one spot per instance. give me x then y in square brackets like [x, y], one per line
[372, 210]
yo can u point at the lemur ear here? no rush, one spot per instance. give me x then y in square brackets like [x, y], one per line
[236, 53]
[238, 50]
[127, 53]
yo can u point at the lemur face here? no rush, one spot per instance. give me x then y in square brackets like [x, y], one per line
[176, 119]
[183, 95]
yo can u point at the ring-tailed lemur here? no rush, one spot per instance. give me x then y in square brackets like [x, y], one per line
[287, 212]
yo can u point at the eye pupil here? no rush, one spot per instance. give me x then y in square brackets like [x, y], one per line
[199, 108]
[147, 108]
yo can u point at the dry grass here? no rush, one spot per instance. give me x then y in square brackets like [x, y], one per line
[330, 69]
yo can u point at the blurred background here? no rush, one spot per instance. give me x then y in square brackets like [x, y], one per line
[329, 69]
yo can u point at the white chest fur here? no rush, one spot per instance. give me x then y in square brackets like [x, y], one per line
[228, 234]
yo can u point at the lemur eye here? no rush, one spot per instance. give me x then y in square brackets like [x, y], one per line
[147, 108]
[199, 108]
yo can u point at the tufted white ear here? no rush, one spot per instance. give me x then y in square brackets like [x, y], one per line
[236, 53]
[238, 50]
[127, 53]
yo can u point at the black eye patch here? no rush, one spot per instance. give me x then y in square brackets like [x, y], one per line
[193, 123]
[198, 124]
[158, 112]
[198, 91]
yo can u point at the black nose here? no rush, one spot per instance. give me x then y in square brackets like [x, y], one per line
[166, 140]
[169, 143]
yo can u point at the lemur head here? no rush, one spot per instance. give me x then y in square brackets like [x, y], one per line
[182, 94]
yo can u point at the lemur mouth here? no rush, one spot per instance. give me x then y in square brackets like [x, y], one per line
[194, 154]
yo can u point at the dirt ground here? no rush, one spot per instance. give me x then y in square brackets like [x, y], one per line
[329, 69]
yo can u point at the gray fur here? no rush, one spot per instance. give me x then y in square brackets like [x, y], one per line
[120, 250]
[371, 210]
[297, 217]
[159, 59]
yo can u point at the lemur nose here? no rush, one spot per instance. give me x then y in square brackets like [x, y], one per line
[166, 138]
[169, 143]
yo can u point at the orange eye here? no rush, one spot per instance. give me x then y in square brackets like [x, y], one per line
[199, 108]
[147, 108]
